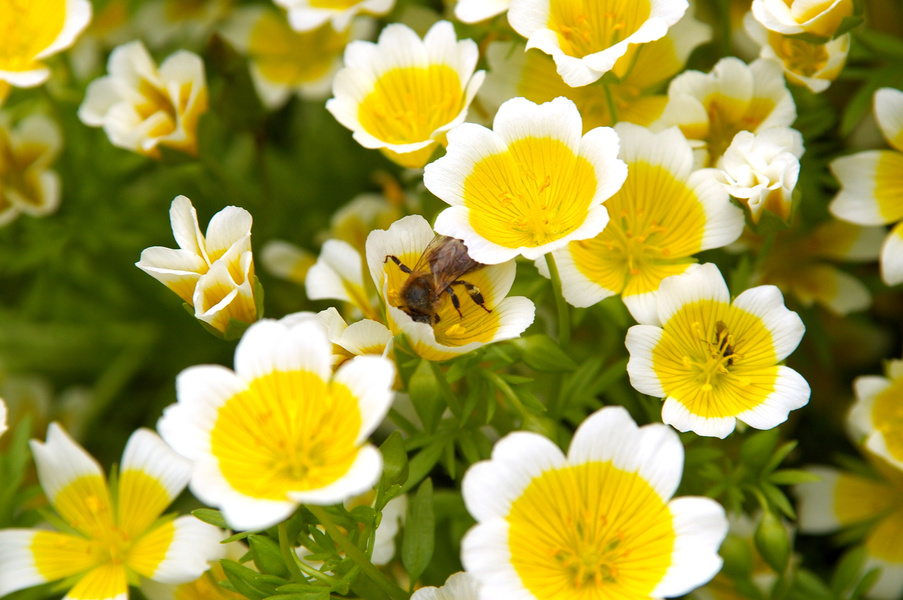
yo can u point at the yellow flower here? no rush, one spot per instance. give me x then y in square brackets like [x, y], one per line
[871, 184]
[712, 108]
[402, 94]
[27, 185]
[450, 334]
[715, 361]
[647, 239]
[531, 74]
[32, 30]
[597, 523]
[528, 186]
[790, 17]
[141, 107]
[587, 37]
[304, 15]
[281, 430]
[875, 418]
[285, 62]
[115, 536]
[212, 273]
[811, 65]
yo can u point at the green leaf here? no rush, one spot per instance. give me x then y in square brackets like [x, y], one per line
[865, 584]
[542, 353]
[847, 570]
[395, 460]
[807, 585]
[314, 593]
[738, 557]
[778, 499]
[758, 448]
[423, 462]
[267, 555]
[210, 516]
[779, 455]
[426, 396]
[419, 532]
[772, 541]
[250, 583]
[792, 477]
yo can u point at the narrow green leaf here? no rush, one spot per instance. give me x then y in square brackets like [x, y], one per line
[792, 477]
[210, 516]
[542, 353]
[419, 532]
[395, 460]
[426, 396]
[847, 571]
[758, 448]
[772, 541]
[267, 555]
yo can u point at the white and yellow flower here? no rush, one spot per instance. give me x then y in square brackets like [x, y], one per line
[715, 361]
[761, 170]
[115, 535]
[647, 238]
[817, 17]
[27, 184]
[587, 37]
[283, 61]
[286, 260]
[3, 424]
[712, 108]
[214, 273]
[531, 74]
[361, 337]
[305, 15]
[597, 523]
[141, 107]
[205, 587]
[875, 418]
[871, 184]
[807, 64]
[32, 31]
[841, 499]
[474, 11]
[402, 94]
[451, 334]
[459, 586]
[529, 185]
[338, 274]
[179, 23]
[281, 430]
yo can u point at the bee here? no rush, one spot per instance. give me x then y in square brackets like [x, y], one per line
[441, 266]
[723, 342]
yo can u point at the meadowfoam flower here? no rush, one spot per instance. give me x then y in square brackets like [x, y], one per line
[33, 31]
[790, 17]
[214, 273]
[597, 523]
[529, 185]
[713, 107]
[285, 62]
[807, 64]
[801, 264]
[305, 15]
[647, 239]
[761, 170]
[286, 260]
[875, 504]
[459, 586]
[871, 184]
[205, 587]
[141, 107]
[450, 333]
[715, 361]
[401, 95]
[27, 184]
[338, 274]
[474, 11]
[361, 337]
[875, 418]
[179, 23]
[281, 430]
[587, 37]
[532, 75]
[115, 535]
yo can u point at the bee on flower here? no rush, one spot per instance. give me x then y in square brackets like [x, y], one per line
[141, 107]
[27, 184]
[714, 360]
[402, 94]
[213, 273]
[114, 536]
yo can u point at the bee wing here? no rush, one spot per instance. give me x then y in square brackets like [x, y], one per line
[448, 260]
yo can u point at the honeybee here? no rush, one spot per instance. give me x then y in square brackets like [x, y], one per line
[723, 342]
[441, 266]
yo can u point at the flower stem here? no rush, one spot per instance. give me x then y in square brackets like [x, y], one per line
[612, 111]
[288, 555]
[355, 554]
[564, 322]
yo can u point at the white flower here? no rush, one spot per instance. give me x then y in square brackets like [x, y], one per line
[817, 17]
[762, 170]
[459, 586]
[304, 15]
[875, 417]
[27, 184]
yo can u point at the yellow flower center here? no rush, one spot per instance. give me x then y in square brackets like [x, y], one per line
[800, 57]
[588, 532]
[288, 57]
[288, 431]
[334, 4]
[408, 104]
[729, 116]
[585, 27]
[27, 27]
[887, 415]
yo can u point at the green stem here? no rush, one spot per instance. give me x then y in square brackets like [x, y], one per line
[354, 553]
[612, 111]
[564, 322]
[450, 399]
[288, 555]
[502, 386]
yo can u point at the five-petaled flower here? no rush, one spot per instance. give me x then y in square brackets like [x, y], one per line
[715, 361]
[281, 429]
[597, 523]
[27, 184]
[115, 535]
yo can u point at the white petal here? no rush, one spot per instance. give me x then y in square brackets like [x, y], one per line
[641, 340]
[892, 256]
[147, 453]
[889, 114]
[370, 379]
[791, 392]
[676, 414]
[269, 346]
[816, 502]
[361, 477]
[703, 282]
[785, 326]
[60, 461]
[194, 544]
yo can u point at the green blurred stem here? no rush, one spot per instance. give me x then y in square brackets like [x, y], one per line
[502, 386]
[726, 31]
[288, 554]
[564, 322]
[612, 110]
[354, 553]
[450, 398]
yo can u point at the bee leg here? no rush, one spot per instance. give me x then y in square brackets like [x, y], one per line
[454, 298]
[401, 265]
[474, 293]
